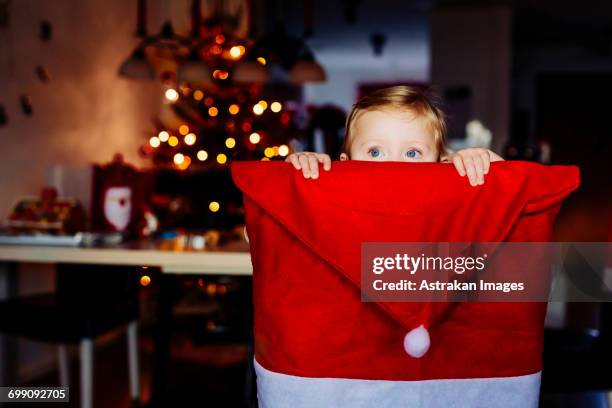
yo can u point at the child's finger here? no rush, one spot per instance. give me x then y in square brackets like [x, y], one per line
[479, 165]
[486, 160]
[293, 159]
[314, 166]
[470, 169]
[326, 160]
[305, 166]
[458, 162]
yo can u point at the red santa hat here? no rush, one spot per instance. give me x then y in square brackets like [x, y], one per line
[318, 344]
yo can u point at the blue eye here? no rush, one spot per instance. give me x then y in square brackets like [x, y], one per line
[374, 152]
[413, 154]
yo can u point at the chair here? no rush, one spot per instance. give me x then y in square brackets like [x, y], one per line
[89, 300]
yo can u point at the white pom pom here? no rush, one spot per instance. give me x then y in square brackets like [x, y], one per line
[416, 342]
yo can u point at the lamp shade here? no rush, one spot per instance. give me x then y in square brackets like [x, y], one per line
[137, 67]
[307, 71]
[249, 71]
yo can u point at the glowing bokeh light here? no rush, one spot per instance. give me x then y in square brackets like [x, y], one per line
[202, 155]
[163, 136]
[234, 109]
[221, 158]
[258, 109]
[283, 150]
[172, 95]
[185, 163]
[179, 158]
[235, 52]
[173, 141]
[190, 139]
[154, 141]
[145, 280]
[276, 107]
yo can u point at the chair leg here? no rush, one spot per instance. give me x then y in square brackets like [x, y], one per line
[87, 374]
[132, 340]
[64, 366]
[250, 382]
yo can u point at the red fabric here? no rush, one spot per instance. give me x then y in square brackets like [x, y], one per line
[305, 238]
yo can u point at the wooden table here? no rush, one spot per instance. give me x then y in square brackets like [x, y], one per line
[230, 259]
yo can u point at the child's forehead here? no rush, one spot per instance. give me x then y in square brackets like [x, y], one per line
[388, 118]
[375, 115]
[401, 125]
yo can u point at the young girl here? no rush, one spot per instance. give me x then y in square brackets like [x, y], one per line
[399, 123]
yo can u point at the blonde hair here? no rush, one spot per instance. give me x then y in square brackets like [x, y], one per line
[403, 98]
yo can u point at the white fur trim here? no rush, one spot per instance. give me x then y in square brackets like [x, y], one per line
[275, 390]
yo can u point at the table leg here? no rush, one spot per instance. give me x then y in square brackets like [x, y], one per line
[162, 337]
[8, 344]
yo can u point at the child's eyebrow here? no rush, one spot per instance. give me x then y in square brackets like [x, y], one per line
[420, 146]
[370, 141]
[413, 143]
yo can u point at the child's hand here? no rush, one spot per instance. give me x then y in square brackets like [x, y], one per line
[308, 162]
[474, 162]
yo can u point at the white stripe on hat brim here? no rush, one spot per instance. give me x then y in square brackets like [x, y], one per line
[276, 390]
